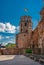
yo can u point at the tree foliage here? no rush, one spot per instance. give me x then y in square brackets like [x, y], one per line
[10, 45]
[28, 51]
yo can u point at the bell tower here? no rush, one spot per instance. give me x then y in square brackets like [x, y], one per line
[23, 38]
[25, 24]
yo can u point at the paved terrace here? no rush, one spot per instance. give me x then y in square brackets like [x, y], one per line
[16, 60]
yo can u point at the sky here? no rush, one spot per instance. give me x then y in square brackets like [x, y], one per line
[10, 13]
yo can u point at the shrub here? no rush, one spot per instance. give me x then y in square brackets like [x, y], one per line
[28, 51]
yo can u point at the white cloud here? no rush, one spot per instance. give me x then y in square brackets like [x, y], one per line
[7, 37]
[12, 40]
[4, 44]
[1, 37]
[8, 28]
[2, 27]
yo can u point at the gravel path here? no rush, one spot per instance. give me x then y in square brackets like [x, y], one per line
[17, 60]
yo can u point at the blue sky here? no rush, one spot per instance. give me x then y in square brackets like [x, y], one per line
[10, 13]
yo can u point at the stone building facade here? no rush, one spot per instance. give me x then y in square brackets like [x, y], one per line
[23, 38]
[29, 38]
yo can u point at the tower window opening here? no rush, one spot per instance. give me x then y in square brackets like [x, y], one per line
[26, 30]
[21, 30]
[24, 35]
[25, 24]
[21, 25]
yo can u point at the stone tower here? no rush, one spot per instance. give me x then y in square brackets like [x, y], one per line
[26, 24]
[41, 31]
[24, 36]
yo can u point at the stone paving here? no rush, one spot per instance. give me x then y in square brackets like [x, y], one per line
[17, 60]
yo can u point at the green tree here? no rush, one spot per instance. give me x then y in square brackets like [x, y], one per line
[10, 45]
